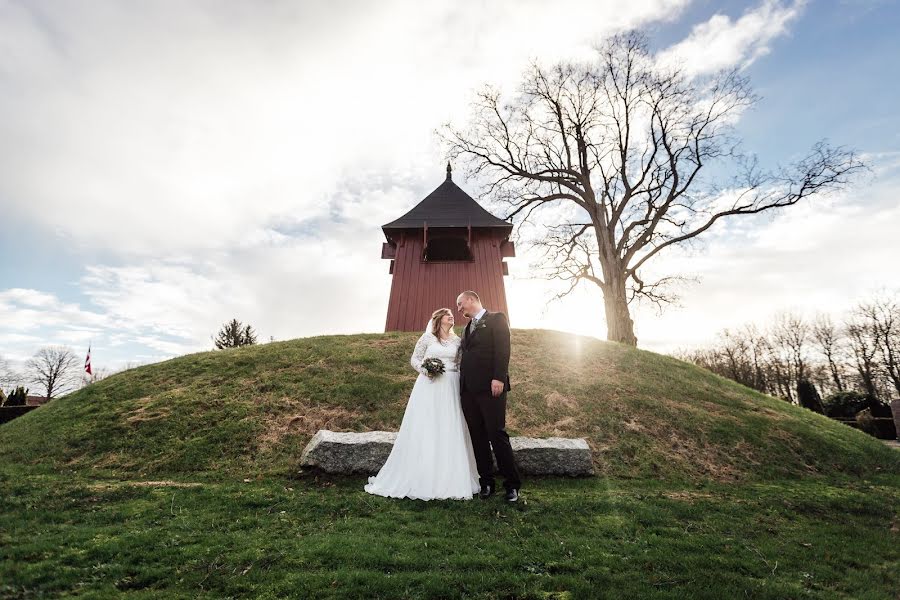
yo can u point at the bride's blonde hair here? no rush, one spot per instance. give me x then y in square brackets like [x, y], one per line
[436, 317]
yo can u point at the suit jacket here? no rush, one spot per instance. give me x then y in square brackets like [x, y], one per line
[485, 354]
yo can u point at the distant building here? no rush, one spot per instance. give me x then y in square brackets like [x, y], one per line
[445, 245]
[35, 400]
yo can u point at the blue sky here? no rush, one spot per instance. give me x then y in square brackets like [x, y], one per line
[168, 167]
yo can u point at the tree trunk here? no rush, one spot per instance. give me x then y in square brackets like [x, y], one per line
[868, 380]
[835, 374]
[619, 326]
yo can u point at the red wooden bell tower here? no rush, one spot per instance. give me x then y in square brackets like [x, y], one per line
[445, 245]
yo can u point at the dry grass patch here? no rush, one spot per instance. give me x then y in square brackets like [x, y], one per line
[304, 419]
[150, 408]
[565, 427]
[556, 400]
[383, 343]
[688, 496]
[633, 426]
[699, 457]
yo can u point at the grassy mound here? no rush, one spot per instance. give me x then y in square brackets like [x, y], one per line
[248, 412]
[177, 480]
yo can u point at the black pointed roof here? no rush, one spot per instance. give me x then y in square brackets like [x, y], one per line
[447, 206]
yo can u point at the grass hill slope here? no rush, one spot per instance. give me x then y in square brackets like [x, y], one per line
[179, 480]
[249, 412]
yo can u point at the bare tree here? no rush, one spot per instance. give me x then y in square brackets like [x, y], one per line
[8, 377]
[882, 316]
[826, 335]
[54, 368]
[612, 153]
[782, 375]
[864, 346]
[791, 332]
[759, 348]
[742, 355]
[735, 350]
[820, 376]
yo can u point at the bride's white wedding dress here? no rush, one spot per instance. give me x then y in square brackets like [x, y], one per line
[432, 457]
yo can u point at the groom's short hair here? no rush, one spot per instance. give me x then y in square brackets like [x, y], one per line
[471, 294]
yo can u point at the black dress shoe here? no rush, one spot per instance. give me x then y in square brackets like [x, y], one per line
[512, 495]
[486, 492]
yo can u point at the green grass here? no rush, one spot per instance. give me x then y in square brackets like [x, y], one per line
[706, 489]
[326, 538]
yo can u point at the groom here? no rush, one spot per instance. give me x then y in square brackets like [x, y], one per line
[483, 383]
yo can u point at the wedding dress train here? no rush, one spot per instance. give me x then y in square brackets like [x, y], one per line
[432, 457]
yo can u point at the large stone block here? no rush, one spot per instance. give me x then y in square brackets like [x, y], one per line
[553, 456]
[340, 452]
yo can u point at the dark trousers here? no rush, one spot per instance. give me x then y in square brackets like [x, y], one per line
[486, 417]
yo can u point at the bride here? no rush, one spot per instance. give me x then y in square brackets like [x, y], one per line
[432, 457]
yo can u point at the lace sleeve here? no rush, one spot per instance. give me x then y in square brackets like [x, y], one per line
[418, 355]
[458, 358]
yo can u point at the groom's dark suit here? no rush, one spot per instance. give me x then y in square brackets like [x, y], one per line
[485, 356]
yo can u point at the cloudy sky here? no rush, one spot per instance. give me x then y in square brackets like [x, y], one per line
[170, 165]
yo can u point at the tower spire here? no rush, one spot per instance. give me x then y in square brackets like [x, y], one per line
[448, 171]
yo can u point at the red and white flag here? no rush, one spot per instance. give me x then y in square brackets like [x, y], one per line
[87, 362]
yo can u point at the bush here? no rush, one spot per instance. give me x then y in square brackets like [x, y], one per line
[17, 397]
[845, 405]
[235, 334]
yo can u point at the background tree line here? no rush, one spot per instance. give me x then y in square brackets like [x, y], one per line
[55, 370]
[852, 361]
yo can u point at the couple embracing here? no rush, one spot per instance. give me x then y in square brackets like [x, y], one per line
[455, 417]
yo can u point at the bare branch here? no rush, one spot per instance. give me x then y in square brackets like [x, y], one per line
[55, 369]
[625, 144]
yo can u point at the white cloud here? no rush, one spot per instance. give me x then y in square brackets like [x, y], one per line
[721, 42]
[183, 127]
[28, 298]
[25, 309]
[238, 162]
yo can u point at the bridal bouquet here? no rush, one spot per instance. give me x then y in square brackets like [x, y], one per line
[433, 366]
